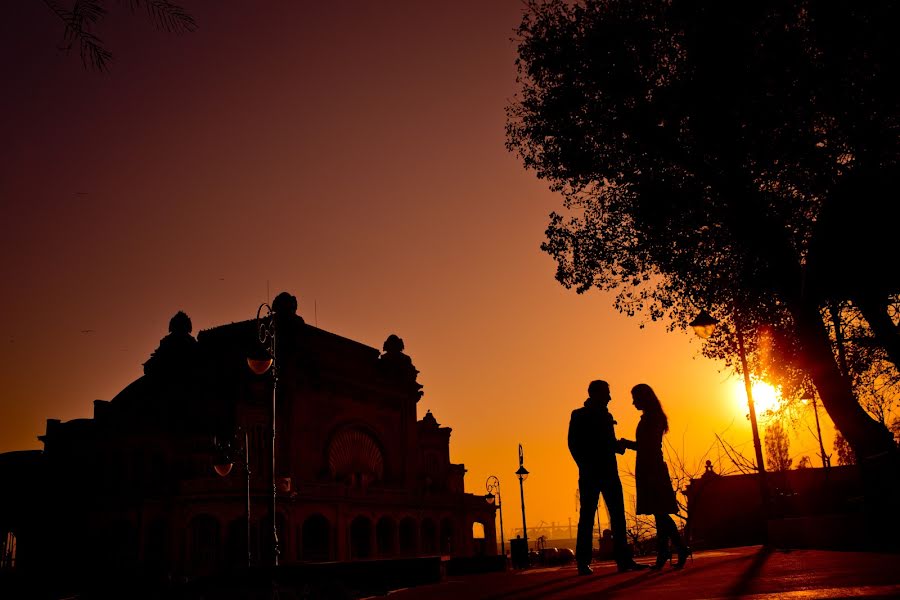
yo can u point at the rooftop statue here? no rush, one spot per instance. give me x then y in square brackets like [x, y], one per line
[176, 352]
[397, 364]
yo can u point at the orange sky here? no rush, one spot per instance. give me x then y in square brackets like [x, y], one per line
[349, 152]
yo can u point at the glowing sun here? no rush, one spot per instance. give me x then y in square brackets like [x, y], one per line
[765, 397]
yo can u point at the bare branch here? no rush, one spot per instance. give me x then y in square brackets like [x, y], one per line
[741, 462]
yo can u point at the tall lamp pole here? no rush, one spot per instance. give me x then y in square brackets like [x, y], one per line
[522, 474]
[265, 326]
[493, 485]
[703, 326]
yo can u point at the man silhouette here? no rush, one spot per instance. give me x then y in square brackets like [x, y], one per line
[593, 445]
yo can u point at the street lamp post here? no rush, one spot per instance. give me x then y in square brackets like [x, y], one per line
[522, 474]
[703, 326]
[493, 485]
[223, 468]
[266, 330]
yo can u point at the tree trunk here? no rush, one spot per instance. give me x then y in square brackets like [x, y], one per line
[866, 436]
[876, 452]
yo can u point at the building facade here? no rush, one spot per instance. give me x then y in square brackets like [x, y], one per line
[160, 480]
[809, 507]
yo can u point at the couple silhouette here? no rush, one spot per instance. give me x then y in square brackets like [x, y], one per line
[593, 444]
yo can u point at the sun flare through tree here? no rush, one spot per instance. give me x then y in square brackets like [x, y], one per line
[766, 399]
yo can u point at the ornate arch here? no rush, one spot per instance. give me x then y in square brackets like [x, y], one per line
[355, 456]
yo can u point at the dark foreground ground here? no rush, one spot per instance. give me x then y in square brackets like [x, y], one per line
[752, 572]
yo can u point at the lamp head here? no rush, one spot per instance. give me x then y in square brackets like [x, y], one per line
[489, 498]
[704, 324]
[223, 469]
[259, 365]
[522, 473]
[222, 457]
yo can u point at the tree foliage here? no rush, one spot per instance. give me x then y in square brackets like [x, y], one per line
[82, 18]
[875, 378]
[733, 156]
[778, 455]
[844, 453]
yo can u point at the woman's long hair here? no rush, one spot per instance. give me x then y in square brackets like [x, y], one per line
[651, 403]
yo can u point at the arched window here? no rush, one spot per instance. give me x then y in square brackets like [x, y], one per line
[236, 543]
[477, 531]
[355, 457]
[361, 538]
[479, 543]
[316, 539]
[409, 535]
[446, 536]
[204, 539]
[429, 537]
[385, 535]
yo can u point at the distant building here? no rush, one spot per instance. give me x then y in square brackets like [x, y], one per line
[809, 507]
[134, 488]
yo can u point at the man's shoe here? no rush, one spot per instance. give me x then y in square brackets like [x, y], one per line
[683, 554]
[584, 569]
[632, 566]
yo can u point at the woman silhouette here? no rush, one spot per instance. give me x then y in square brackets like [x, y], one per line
[654, 488]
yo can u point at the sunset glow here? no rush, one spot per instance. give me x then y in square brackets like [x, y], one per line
[765, 397]
[372, 134]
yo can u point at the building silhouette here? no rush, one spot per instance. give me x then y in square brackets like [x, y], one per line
[809, 508]
[133, 489]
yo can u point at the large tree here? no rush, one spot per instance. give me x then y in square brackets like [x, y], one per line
[735, 156]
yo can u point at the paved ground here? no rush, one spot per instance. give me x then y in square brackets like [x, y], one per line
[752, 572]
